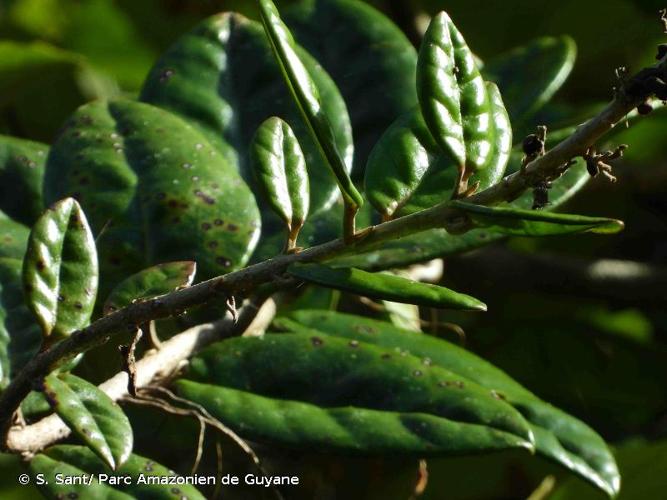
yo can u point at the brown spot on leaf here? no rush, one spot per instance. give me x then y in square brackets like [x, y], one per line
[205, 226]
[204, 197]
[498, 395]
[232, 227]
[218, 222]
[316, 341]
[166, 74]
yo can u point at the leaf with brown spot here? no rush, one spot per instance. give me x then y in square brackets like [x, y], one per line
[317, 391]
[92, 416]
[60, 270]
[136, 190]
[559, 437]
[21, 178]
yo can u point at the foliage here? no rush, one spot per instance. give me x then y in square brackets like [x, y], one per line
[257, 138]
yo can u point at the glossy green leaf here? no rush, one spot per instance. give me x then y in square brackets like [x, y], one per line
[280, 169]
[152, 282]
[13, 238]
[435, 243]
[514, 221]
[319, 391]
[455, 101]
[407, 171]
[558, 436]
[60, 270]
[385, 286]
[350, 430]
[92, 416]
[155, 191]
[223, 79]
[21, 173]
[369, 58]
[306, 94]
[20, 336]
[643, 466]
[77, 461]
[529, 76]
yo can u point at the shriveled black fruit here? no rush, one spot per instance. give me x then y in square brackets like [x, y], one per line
[532, 145]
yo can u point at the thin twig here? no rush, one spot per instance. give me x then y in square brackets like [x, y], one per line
[129, 362]
[167, 408]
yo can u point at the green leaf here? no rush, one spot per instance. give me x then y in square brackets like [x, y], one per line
[402, 315]
[558, 436]
[362, 50]
[223, 79]
[407, 171]
[435, 243]
[13, 239]
[521, 222]
[280, 169]
[306, 94]
[152, 282]
[385, 286]
[60, 270]
[77, 460]
[322, 392]
[20, 336]
[21, 173]
[465, 115]
[643, 469]
[543, 65]
[155, 191]
[41, 84]
[92, 416]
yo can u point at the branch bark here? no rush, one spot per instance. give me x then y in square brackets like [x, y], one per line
[156, 365]
[270, 271]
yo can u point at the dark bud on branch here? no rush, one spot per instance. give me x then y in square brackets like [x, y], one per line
[541, 195]
[532, 145]
[597, 163]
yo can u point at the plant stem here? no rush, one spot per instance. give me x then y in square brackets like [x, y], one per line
[246, 280]
[157, 364]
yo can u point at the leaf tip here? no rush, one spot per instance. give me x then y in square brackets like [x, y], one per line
[609, 226]
[479, 306]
